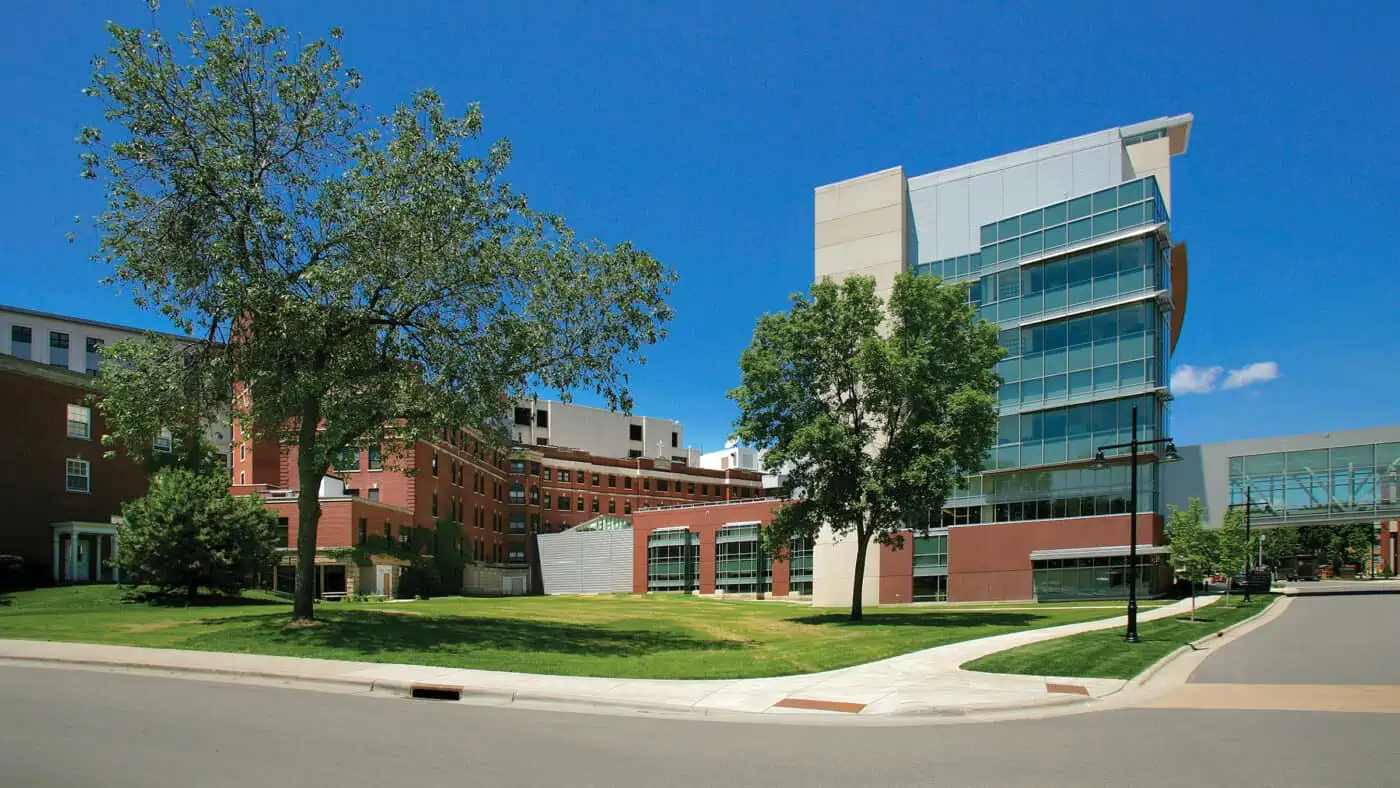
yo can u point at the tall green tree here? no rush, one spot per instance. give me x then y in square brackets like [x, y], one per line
[874, 415]
[364, 281]
[188, 533]
[1192, 546]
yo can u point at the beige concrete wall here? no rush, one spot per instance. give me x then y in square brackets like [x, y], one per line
[833, 571]
[1153, 157]
[860, 228]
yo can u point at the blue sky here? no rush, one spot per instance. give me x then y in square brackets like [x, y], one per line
[699, 130]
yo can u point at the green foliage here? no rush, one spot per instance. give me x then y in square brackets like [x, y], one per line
[369, 281]
[1339, 545]
[188, 533]
[1192, 546]
[1231, 547]
[1281, 545]
[875, 417]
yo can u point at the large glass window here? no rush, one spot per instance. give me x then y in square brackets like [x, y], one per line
[1072, 433]
[58, 349]
[92, 348]
[79, 421]
[22, 342]
[668, 551]
[1314, 485]
[800, 567]
[1096, 578]
[737, 568]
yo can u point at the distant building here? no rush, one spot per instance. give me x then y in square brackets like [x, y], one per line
[600, 432]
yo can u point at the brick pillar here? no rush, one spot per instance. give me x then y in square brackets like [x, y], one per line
[782, 578]
[707, 560]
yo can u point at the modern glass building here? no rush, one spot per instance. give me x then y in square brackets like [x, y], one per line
[1068, 249]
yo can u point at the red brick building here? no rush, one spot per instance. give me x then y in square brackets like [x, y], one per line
[60, 493]
[724, 539]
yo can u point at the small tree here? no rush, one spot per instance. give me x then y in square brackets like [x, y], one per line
[1192, 546]
[188, 533]
[1232, 548]
[875, 416]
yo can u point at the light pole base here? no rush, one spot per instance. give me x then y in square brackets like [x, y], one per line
[1131, 637]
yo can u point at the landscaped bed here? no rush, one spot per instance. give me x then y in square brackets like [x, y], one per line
[652, 636]
[1104, 654]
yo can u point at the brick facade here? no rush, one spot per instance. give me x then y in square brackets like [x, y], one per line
[705, 522]
[35, 399]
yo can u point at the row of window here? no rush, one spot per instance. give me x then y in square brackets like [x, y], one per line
[22, 346]
[80, 426]
[1070, 434]
[595, 479]
[1123, 270]
[564, 502]
[738, 568]
[1132, 204]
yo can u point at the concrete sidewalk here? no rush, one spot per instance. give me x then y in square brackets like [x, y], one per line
[927, 682]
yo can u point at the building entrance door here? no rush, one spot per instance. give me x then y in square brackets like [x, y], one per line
[79, 571]
[385, 576]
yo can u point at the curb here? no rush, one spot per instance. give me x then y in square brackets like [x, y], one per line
[365, 684]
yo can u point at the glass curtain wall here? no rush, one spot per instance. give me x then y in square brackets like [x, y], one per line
[737, 565]
[666, 560]
[1094, 578]
[1320, 484]
[931, 568]
[800, 567]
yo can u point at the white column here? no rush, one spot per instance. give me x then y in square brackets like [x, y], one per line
[72, 555]
[97, 557]
[57, 554]
[116, 550]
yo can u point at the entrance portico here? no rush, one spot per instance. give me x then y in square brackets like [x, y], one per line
[79, 550]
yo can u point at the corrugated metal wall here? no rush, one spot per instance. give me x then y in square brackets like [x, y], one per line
[586, 562]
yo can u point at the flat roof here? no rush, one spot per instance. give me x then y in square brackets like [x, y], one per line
[96, 323]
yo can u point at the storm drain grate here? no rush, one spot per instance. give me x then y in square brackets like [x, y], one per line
[434, 692]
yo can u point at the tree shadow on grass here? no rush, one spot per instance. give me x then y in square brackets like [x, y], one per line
[369, 633]
[938, 619]
[157, 599]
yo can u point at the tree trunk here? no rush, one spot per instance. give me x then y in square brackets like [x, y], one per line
[862, 544]
[192, 590]
[309, 472]
[1193, 602]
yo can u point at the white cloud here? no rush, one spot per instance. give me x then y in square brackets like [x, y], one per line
[1194, 380]
[1248, 375]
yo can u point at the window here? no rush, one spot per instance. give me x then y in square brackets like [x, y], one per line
[534, 494]
[93, 350]
[579, 477]
[634, 432]
[517, 466]
[627, 482]
[633, 454]
[435, 473]
[546, 500]
[522, 417]
[595, 480]
[517, 523]
[163, 442]
[242, 452]
[547, 474]
[517, 493]
[580, 502]
[534, 468]
[403, 534]
[738, 568]
[542, 419]
[704, 489]
[663, 485]
[435, 503]
[646, 484]
[595, 504]
[690, 488]
[673, 560]
[388, 532]
[516, 555]
[364, 530]
[79, 422]
[374, 494]
[541, 441]
[58, 349]
[675, 440]
[626, 507]
[347, 460]
[612, 481]
[79, 476]
[22, 342]
[375, 461]
[612, 506]
[242, 477]
[564, 503]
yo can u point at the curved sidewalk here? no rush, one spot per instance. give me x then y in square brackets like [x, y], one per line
[927, 682]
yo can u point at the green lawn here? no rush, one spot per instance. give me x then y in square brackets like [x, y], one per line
[620, 636]
[1103, 654]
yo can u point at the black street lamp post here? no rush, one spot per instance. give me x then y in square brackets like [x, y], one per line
[1168, 455]
[1248, 537]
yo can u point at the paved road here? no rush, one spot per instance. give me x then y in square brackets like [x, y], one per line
[84, 729]
[1321, 639]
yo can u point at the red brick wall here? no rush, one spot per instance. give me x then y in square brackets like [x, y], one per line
[33, 435]
[705, 522]
[896, 571]
[992, 562]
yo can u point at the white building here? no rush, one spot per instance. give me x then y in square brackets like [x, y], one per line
[602, 432]
[76, 344]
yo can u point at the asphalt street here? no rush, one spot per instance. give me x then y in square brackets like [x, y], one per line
[83, 728]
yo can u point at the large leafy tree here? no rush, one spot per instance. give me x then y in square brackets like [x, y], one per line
[875, 415]
[188, 533]
[358, 281]
[1232, 548]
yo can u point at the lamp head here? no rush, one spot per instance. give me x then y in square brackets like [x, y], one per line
[1169, 453]
[1099, 462]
